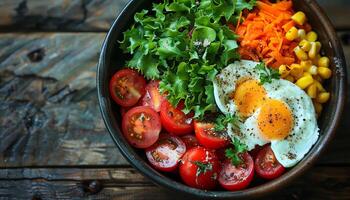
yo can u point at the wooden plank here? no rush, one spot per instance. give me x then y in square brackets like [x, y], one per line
[119, 176]
[98, 15]
[49, 113]
[62, 15]
[125, 183]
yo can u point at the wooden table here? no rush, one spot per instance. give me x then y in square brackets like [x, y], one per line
[53, 143]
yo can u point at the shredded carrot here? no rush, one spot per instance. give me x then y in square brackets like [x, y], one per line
[288, 25]
[262, 34]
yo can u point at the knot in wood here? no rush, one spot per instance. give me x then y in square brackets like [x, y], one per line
[36, 55]
[92, 187]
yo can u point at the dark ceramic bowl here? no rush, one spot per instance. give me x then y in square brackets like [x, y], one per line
[112, 59]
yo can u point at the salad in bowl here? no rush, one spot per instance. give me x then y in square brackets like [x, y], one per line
[222, 94]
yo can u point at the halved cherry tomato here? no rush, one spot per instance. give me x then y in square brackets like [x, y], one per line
[266, 164]
[190, 141]
[174, 120]
[254, 152]
[127, 87]
[152, 97]
[237, 177]
[208, 137]
[199, 168]
[165, 154]
[141, 126]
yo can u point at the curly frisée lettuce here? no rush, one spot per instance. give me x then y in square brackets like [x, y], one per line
[185, 43]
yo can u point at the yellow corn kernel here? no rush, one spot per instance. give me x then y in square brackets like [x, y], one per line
[311, 36]
[324, 72]
[296, 70]
[301, 34]
[323, 62]
[312, 90]
[305, 81]
[283, 71]
[318, 108]
[313, 50]
[319, 86]
[292, 34]
[299, 18]
[290, 78]
[323, 97]
[313, 70]
[301, 55]
[306, 74]
[306, 64]
[305, 45]
[318, 47]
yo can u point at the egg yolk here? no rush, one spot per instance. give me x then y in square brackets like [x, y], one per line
[275, 120]
[248, 96]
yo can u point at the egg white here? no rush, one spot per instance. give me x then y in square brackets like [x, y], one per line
[225, 83]
[304, 133]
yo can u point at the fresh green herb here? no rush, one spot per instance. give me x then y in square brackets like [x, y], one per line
[242, 4]
[239, 147]
[202, 167]
[185, 43]
[222, 121]
[234, 153]
[266, 74]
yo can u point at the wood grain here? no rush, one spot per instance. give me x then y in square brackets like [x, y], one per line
[126, 183]
[98, 15]
[59, 15]
[49, 112]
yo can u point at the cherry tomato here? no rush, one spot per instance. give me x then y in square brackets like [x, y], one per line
[152, 97]
[165, 154]
[174, 120]
[141, 126]
[190, 141]
[237, 177]
[266, 164]
[208, 137]
[254, 152]
[127, 87]
[199, 168]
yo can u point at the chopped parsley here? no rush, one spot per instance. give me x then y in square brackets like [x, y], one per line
[234, 153]
[202, 167]
[266, 74]
[222, 121]
[185, 43]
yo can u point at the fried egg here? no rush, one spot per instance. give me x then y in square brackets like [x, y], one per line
[279, 112]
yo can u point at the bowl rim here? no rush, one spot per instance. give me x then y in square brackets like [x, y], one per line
[260, 190]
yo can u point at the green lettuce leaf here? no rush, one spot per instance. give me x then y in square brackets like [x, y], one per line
[184, 44]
